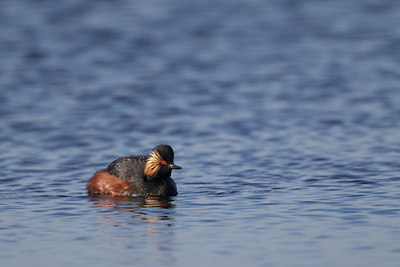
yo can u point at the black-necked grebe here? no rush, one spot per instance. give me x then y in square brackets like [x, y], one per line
[137, 175]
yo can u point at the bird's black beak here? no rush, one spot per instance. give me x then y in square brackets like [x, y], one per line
[173, 166]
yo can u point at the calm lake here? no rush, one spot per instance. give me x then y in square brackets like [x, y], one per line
[285, 116]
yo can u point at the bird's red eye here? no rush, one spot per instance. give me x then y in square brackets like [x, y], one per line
[163, 162]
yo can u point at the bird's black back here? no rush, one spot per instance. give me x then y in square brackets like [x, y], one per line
[128, 167]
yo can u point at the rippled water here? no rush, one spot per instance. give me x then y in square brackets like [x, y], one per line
[284, 114]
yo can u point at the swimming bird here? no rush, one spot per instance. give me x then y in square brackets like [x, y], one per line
[138, 175]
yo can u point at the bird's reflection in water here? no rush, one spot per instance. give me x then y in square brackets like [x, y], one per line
[152, 218]
[144, 225]
[149, 209]
[131, 203]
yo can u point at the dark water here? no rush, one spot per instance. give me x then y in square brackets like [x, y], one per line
[284, 114]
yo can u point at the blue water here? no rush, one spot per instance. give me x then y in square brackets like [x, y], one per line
[285, 116]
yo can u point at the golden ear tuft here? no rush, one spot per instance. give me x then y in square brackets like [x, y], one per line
[153, 163]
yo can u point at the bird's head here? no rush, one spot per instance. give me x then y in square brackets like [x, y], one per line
[160, 162]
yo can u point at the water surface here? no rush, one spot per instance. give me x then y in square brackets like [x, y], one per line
[284, 114]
